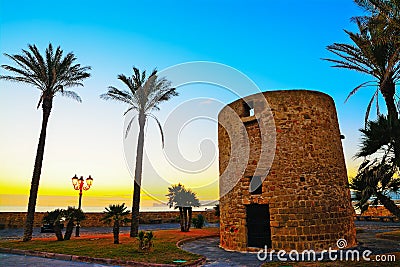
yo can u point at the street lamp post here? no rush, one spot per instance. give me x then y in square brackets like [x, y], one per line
[79, 184]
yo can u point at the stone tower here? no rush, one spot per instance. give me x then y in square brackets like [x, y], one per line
[304, 200]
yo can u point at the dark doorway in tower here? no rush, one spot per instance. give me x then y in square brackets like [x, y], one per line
[258, 226]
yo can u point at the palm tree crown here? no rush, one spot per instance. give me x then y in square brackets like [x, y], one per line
[179, 196]
[115, 212]
[375, 56]
[50, 74]
[144, 95]
[388, 10]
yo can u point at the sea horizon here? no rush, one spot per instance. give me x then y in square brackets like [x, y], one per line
[149, 207]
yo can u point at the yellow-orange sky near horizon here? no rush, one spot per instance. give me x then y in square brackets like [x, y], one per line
[14, 196]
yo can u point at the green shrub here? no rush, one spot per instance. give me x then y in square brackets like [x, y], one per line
[145, 240]
[199, 221]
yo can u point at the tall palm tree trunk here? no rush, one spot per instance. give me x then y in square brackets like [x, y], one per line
[186, 216]
[138, 176]
[184, 219]
[388, 90]
[181, 219]
[388, 204]
[189, 219]
[37, 170]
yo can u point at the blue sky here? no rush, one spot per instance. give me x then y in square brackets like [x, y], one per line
[277, 44]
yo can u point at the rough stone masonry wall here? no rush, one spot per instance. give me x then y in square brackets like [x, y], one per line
[17, 219]
[306, 188]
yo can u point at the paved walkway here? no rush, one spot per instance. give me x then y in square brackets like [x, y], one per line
[216, 256]
[10, 260]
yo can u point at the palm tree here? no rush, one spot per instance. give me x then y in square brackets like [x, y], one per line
[72, 215]
[117, 214]
[51, 74]
[373, 55]
[184, 199]
[54, 219]
[144, 96]
[377, 177]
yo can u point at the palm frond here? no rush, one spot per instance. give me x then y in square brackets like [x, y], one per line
[375, 51]
[128, 127]
[71, 94]
[159, 127]
[40, 101]
[114, 93]
[376, 135]
[128, 82]
[355, 90]
[130, 109]
[369, 106]
[378, 113]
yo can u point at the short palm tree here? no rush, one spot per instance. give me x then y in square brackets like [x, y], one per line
[373, 55]
[54, 219]
[52, 74]
[116, 214]
[72, 215]
[183, 199]
[143, 96]
[376, 177]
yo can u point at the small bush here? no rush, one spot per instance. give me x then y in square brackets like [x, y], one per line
[145, 240]
[199, 221]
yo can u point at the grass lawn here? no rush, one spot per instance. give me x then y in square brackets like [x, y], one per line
[101, 246]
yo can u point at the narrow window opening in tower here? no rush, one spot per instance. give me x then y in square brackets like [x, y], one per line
[248, 109]
[251, 112]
